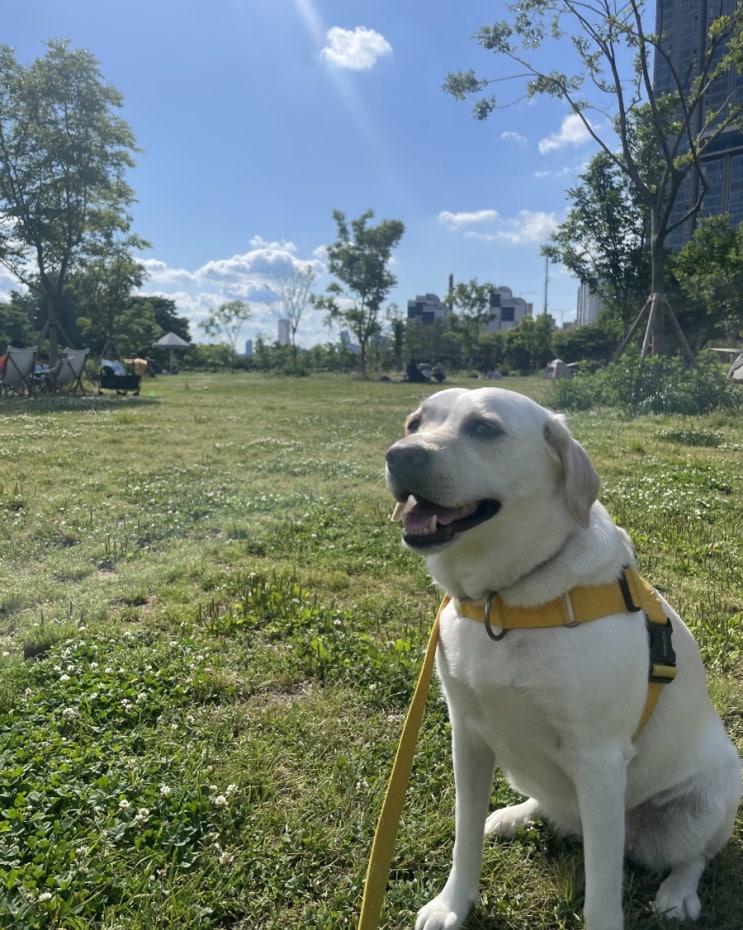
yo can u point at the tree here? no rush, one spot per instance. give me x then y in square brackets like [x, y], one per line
[164, 309]
[103, 286]
[710, 270]
[63, 158]
[360, 259]
[15, 324]
[529, 345]
[603, 35]
[397, 323]
[291, 290]
[227, 321]
[471, 302]
[603, 239]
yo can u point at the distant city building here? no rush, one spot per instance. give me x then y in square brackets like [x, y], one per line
[347, 342]
[683, 25]
[588, 306]
[508, 311]
[248, 346]
[284, 333]
[428, 309]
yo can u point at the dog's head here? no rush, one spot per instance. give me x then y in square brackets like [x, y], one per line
[491, 476]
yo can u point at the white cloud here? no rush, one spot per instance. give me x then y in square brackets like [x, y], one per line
[528, 226]
[462, 219]
[357, 50]
[244, 276]
[510, 136]
[572, 132]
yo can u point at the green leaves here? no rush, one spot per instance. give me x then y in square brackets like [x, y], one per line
[360, 259]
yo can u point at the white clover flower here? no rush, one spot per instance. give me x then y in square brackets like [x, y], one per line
[220, 801]
[45, 896]
[124, 805]
[165, 790]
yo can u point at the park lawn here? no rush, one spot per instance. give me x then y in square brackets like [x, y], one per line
[209, 634]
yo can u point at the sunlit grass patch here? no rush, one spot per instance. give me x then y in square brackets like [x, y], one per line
[209, 593]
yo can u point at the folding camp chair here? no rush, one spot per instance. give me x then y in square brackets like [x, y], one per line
[18, 372]
[69, 377]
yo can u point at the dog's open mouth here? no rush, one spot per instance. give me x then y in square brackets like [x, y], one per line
[427, 524]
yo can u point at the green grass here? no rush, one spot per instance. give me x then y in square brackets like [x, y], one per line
[209, 634]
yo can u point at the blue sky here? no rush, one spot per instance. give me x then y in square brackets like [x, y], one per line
[258, 118]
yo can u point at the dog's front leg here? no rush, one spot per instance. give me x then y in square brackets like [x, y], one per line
[601, 782]
[474, 764]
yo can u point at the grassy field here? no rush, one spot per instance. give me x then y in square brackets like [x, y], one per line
[209, 634]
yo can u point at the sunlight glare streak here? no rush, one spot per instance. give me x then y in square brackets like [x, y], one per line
[345, 87]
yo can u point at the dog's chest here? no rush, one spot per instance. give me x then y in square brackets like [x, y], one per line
[504, 687]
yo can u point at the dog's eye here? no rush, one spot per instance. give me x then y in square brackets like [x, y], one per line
[484, 429]
[413, 425]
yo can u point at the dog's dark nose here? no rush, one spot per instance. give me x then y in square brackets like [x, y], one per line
[406, 459]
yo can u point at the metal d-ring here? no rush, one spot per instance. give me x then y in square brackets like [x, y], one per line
[496, 637]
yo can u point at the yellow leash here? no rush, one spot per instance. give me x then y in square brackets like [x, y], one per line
[383, 846]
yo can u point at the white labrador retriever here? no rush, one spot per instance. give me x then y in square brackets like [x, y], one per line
[496, 494]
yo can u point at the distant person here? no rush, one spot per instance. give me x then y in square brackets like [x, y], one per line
[414, 373]
[438, 372]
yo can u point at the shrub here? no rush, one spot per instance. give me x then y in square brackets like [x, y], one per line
[653, 385]
[577, 393]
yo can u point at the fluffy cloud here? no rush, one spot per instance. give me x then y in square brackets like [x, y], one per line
[528, 226]
[245, 276]
[463, 219]
[356, 50]
[572, 132]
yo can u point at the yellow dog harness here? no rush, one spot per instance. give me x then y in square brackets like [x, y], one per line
[580, 605]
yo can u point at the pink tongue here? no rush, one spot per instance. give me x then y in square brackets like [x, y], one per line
[419, 516]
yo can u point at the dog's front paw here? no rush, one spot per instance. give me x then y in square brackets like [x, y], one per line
[443, 914]
[507, 821]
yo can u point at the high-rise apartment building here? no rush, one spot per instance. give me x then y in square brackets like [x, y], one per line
[683, 25]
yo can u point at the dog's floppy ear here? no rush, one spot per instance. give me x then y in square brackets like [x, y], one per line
[580, 477]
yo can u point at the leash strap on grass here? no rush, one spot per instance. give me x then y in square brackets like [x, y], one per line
[383, 845]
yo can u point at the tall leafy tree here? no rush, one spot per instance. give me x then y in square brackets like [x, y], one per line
[165, 312]
[360, 259]
[64, 154]
[103, 286]
[610, 73]
[226, 322]
[710, 271]
[472, 311]
[603, 239]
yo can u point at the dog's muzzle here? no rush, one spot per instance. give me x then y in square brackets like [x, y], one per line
[427, 523]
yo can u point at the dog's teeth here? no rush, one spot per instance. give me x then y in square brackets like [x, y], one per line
[397, 512]
[433, 525]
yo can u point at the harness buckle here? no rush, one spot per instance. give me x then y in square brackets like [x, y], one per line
[662, 655]
[496, 637]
